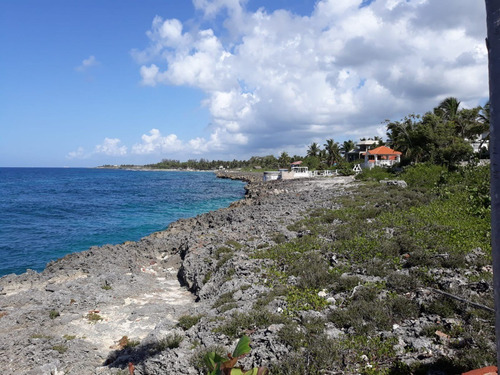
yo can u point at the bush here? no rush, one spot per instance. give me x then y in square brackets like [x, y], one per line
[172, 341]
[187, 321]
[375, 173]
[423, 175]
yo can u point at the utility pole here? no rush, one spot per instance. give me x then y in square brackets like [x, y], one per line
[493, 45]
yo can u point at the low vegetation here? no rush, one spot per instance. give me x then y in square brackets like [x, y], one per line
[380, 256]
[171, 341]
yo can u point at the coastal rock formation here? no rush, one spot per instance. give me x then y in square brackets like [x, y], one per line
[161, 302]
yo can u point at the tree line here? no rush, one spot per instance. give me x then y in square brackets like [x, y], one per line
[441, 136]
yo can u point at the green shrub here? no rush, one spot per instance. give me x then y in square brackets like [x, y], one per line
[223, 299]
[172, 341]
[187, 321]
[224, 259]
[299, 299]
[54, 314]
[312, 271]
[222, 250]
[93, 317]
[423, 175]
[238, 323]
[375, 173]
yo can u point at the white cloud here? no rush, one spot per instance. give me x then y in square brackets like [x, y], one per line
[78, 154]
[111, 147]
[87, 63]
[155, 143]
[280, 79]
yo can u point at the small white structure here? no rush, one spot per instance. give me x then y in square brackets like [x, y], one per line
[301, 172]
[479, 142]
[324, 173]
[381, 157]
[270, 176]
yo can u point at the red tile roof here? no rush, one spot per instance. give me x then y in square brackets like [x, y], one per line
[383, 150]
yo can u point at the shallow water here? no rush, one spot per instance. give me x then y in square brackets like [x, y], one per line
[46, 213]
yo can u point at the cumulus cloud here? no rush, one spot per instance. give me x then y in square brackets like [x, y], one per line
[111, 147]
[78, 154]
[87, 63]
[278, 78]
[155, 143]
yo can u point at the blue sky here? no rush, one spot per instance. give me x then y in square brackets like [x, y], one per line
[85, 83]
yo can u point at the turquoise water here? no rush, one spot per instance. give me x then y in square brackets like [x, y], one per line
[46, 213]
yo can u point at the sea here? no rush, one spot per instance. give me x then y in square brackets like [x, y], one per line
[46, 213]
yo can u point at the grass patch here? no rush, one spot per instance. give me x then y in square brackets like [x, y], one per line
[235, 244]
[172, 341]
[61, 349]
[187, 321]
[40, 336]
[93, 317]
[223, 299]
[238, 323]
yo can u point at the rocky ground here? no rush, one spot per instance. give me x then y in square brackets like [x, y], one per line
[161, 302]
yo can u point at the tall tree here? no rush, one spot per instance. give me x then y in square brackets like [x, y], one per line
[284, 160]
[313, 150]
[347, 146]
[467, 123]
[448, 109]
[333, 152]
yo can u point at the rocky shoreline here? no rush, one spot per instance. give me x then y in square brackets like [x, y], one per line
[159, 302]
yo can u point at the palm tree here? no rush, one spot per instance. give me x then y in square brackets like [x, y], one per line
[284, 160]
[333, 151]
[347, 146]
[448, 109]
[313, 150]
[400, 134]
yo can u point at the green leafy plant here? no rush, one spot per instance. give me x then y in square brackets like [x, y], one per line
[219, 365]
[54, 314]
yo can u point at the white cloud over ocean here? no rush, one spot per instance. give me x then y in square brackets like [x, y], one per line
[109, 147]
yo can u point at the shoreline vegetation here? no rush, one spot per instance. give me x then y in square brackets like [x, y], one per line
[332, 275]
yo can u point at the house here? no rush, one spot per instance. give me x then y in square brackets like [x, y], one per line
[360, 150]
[480, 141]
[381, 156]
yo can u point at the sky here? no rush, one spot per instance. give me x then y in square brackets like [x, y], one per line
[87, 83]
